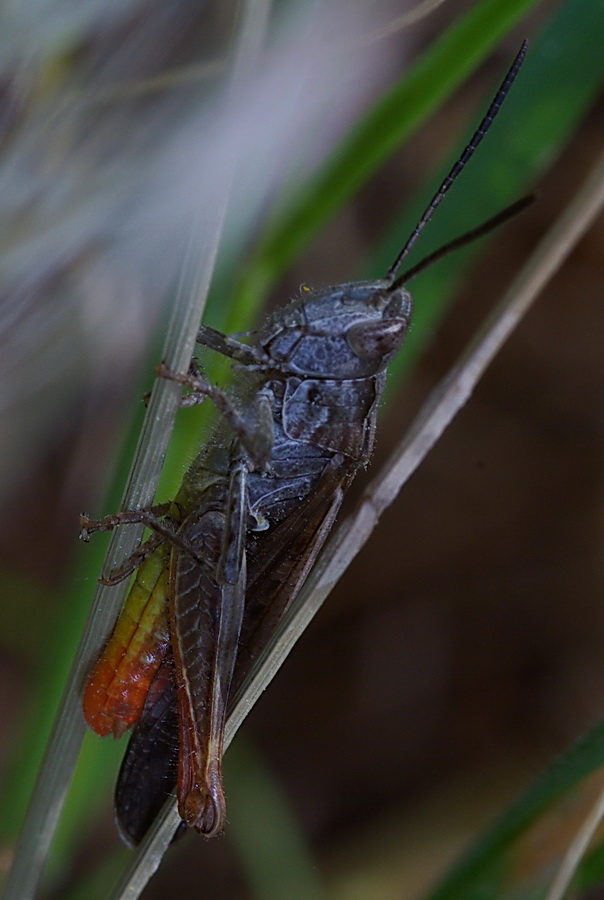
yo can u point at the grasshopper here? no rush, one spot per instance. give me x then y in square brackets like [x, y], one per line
[233, 549]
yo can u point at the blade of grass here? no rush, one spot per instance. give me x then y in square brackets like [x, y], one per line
[591, 868]
[576, 851]
[64, 743]
[480, 869]
[60, 758]
[416, 14]
[353, 533]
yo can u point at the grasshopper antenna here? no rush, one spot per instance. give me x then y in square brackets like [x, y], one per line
[484, 228]
[463, 159]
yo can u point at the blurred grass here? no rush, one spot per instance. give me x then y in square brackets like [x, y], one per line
[278, 861]
[544, 108]
[440, 69]
[489, 868]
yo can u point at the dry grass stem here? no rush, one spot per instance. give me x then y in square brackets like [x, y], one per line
[576, 851]
[435, 416]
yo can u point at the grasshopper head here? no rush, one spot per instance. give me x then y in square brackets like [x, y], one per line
[351, 330]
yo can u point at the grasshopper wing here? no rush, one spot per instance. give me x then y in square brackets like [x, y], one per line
[278, 561]
[149, 768]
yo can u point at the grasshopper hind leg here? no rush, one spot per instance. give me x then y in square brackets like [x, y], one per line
[206, 616]
[132, 562]
[127, 517]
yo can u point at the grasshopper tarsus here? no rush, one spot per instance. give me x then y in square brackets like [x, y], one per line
[150, 516]
[107, 523]
[85, 531]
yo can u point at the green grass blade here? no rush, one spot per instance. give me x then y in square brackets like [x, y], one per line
[481, 872]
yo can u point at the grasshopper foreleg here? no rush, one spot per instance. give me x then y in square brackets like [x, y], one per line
[255, 436]
[165, 530]
[251, 357]
[150, 516]
[132, 562]
[146, 515]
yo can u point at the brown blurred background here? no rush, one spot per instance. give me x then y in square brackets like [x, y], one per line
[463, 649]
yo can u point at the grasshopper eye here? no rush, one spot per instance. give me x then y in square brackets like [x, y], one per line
[374, 340]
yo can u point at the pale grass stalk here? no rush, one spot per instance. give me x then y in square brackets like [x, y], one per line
[60, 757]
[576, 850]
[437, 413]
[56, 770]
[411, 17]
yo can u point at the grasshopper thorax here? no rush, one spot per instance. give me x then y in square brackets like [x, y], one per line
[347, 331]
